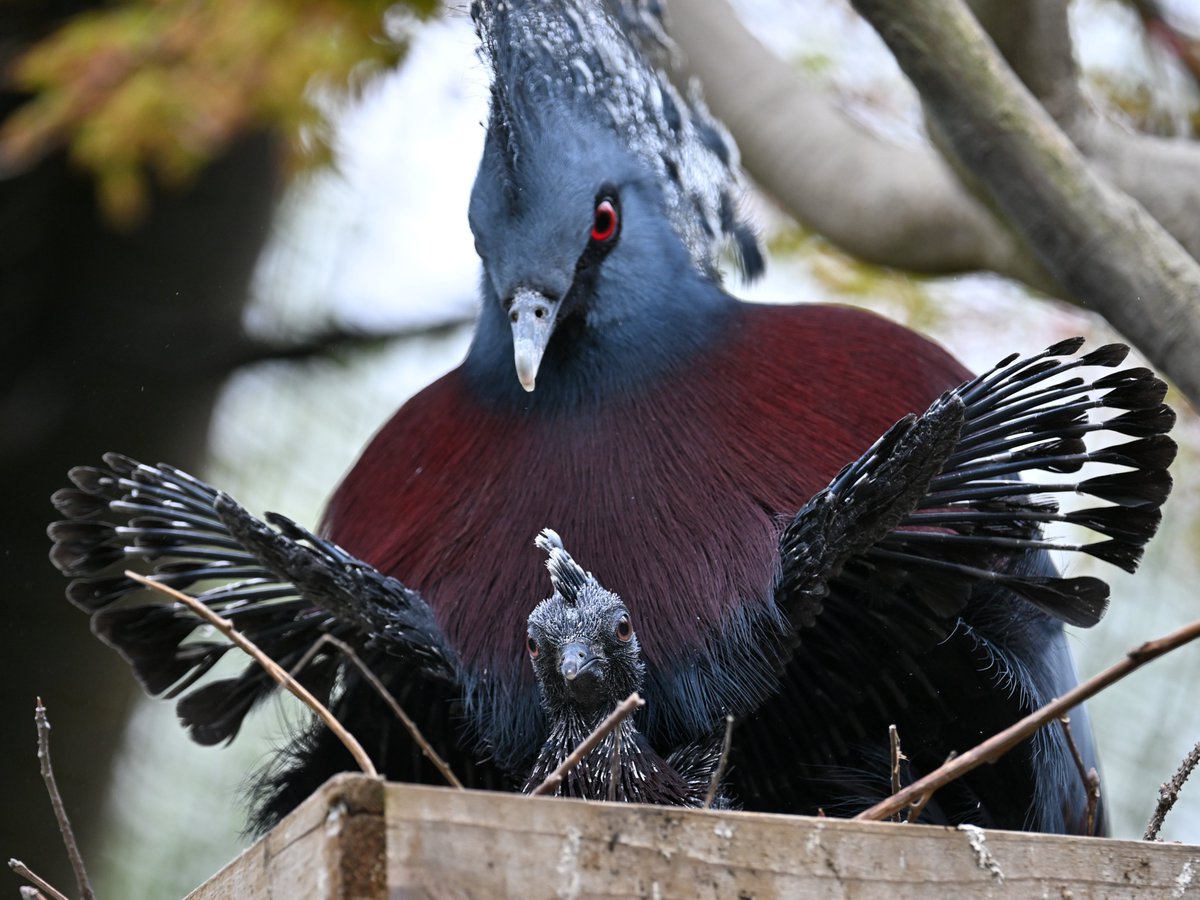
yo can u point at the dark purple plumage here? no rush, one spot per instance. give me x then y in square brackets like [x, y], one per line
[717, 451]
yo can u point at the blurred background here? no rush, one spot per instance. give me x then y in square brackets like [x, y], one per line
[247, 256]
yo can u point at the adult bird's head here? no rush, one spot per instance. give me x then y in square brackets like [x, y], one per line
[581, 641]
[601, 191]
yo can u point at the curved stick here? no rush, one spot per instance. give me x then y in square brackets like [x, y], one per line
[999, 744]
[272, 668]
[614, 718]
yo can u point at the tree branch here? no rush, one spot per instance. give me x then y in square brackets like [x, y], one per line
[1099, 244]
[1088, 777]
[714, 781]
[902, 206]
[830, 172]
[45, 887]
[999, 744]
[1163, 174]
[1035, 38]
[1169, 793]
[60, 812]
[244, 350]
[384, 694]
[897, 755]
[614, 718]
[272, 668]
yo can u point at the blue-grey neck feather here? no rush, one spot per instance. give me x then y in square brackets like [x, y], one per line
[606, 66]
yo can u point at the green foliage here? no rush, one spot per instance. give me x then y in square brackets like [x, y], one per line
[148, 89]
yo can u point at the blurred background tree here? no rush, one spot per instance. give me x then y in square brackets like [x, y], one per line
[164, 225]
[143, 148]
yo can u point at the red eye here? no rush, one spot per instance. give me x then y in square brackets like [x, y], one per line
[624, 629]
[604, 225]
[532, 646]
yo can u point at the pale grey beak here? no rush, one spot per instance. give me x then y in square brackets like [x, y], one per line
[575, 658]
[532, 315]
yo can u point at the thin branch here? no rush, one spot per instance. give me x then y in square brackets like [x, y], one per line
[1089, 776]
[722, 763]
[60, 812]
[918, 806]
[1183, 47]
[894, 741]
[614, 772]
[397, 710]
[33, 878]
[1169, 793]
[618, 715]
[332, 340]
[272, 668]
[999, 744]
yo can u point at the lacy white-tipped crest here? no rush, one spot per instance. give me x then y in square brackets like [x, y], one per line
[566, 575]
[606, 63]
[548, 539]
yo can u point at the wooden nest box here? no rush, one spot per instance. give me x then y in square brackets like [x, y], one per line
[359, 838]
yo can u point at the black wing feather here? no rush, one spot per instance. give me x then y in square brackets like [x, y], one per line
[282, 588]
[938, 506]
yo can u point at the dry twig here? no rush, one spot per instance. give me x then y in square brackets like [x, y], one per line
[918, 805]
[624, 708]
[1169, 793]
[722, 763]
[60, 812]
[1089, 777]
[330, 340]
[894, 740]
[1158, 26]
[397, 710]
[272, 668]
[614, 772]
[32, 877]
[999, 744]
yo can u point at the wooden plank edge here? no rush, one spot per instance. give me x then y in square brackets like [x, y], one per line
[473, 843]
[331, 847]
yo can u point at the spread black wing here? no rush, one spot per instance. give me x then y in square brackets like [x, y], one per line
[918, 585]
[938, 504]
[281, 586]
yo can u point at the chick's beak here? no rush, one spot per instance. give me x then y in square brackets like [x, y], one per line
[574, 659]
[532, 315]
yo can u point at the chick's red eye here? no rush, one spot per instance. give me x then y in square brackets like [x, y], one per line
[532, 646]
[624, 628]
[604, 224]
